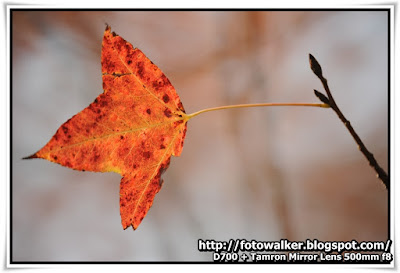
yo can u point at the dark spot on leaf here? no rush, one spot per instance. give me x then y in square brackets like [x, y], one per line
[65, 129]
[129, 56]
[183, 135]
[103, 103]
[83, 170]
[119, 44]
[98, 111]
[178, 122]
[148, 111]
[69, 136]
[140, 66]
[122, 137]
[180, 106]
[165, 98]
[134, 166]
[55, 157]
[114, 34]
[167, 113]
[95, 100]
[165, 166]
[162, 146]
[146, 154]
[127, 80]
[157, 177]
[129, 62]
[159, 83]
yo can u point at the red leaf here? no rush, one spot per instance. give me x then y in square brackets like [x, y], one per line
[132, 129]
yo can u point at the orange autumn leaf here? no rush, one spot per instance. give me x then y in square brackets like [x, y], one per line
[132, 128]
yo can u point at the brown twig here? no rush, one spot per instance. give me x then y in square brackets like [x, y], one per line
[316, 68]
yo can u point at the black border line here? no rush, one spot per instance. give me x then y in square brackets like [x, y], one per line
[200, 9]
[389, 89]
[15, 8]
[11, 135]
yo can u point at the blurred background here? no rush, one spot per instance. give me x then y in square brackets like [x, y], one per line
[255, 173]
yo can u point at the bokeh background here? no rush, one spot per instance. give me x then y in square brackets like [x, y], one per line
[256, 173]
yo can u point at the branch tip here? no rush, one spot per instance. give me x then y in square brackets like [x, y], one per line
[315, 66]
[321, 97]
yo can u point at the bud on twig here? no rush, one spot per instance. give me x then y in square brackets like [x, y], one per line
[315, 67]
[321, 96]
